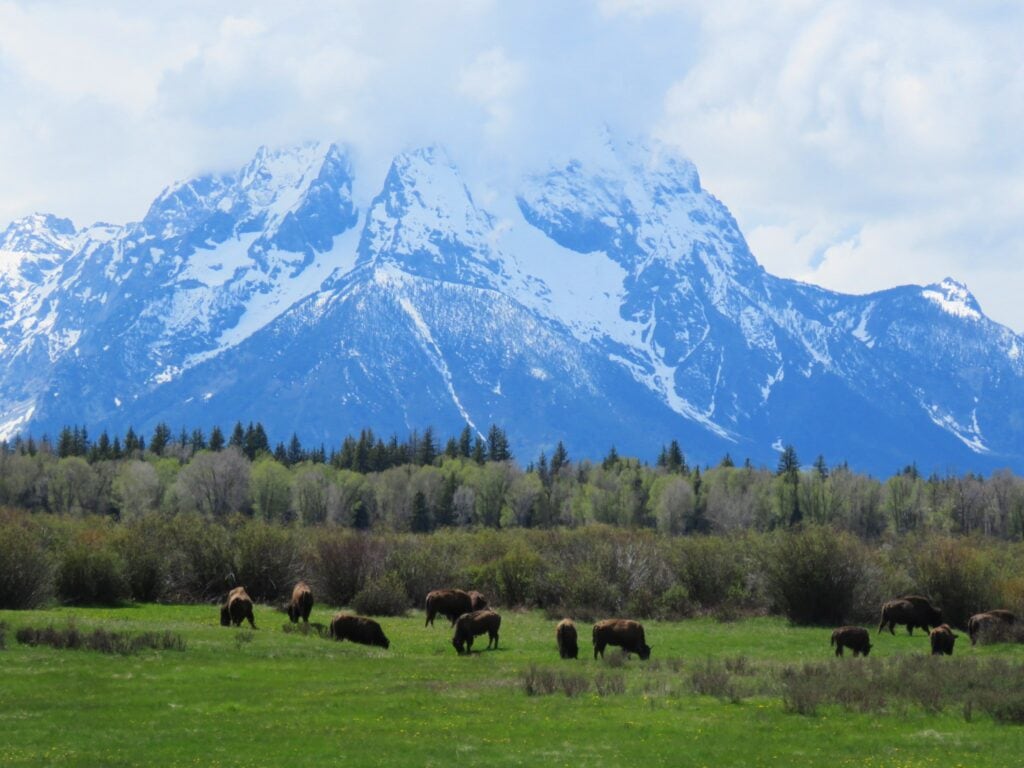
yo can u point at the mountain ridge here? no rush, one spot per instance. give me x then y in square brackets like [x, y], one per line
[606, 301]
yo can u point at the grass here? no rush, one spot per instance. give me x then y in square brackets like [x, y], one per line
[712, 694]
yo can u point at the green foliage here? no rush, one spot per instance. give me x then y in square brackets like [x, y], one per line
[957, 575]
[91, 571]
[812, 574]
[266, 560]
[26, 573]
[382, 596]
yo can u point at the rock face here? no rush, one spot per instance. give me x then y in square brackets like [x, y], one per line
[609, 300]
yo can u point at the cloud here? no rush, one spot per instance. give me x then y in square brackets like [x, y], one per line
[858, 144]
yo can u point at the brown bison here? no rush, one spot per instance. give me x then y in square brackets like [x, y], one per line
[237, 607]
[988, 622]
[469, 625]
[942, 639]
[857, 639]
[916, 612]
[450, 603]
[477, 601]
[565, 636]
[358, 629]
[301, 603]
[625, 633]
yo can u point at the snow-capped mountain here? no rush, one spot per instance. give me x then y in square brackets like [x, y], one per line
[608, 300]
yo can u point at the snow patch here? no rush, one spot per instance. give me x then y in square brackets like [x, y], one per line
[953, 298]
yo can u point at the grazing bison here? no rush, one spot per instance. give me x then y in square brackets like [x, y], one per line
[237, 607]
[301, 604]
[857, 639]
[477, 601]
[450, 603]
[565, 635]
[358, 629]
[916, 612]
[625, 633]
[942, 639]
[469, 625]
[989, 621]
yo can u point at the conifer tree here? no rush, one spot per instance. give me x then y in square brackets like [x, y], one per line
[420, 522]
[216, 440]
[479, 454]
[465, 442]
[237, 439]
[559, 459]
[295, 453]
[160, 439]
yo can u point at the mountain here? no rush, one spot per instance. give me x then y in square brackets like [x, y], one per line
[603, 300]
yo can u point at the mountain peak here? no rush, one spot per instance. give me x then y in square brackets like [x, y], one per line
[954, 298]
[38, 233]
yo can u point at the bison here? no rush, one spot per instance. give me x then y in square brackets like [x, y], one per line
[989, 621]
[477, 601]
[913, 612]
[469, 625]
[942, 639]
[358, 629]
[301, 603]
[237, 607]
[625, 633]
[857, 639]
[450, 603]
[565, 636]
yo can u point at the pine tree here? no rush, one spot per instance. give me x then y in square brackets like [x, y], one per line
[281, 454]
[821, 467]
[611, 460]
[559, 459]
[465, 442]
[451, 448]
[497, 444]
[542, 470]
[295, 453]
[427, 450]
[479, 450]
[420, 522]
[216, 440]
[237, 439]
[161, 438]
[198, 441]
[726, 461]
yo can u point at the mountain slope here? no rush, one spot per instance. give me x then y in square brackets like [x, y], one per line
[606, 300]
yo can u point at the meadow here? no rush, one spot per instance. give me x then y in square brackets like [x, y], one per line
[713, 694]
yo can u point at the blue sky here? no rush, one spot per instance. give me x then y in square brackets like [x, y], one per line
[860, 145]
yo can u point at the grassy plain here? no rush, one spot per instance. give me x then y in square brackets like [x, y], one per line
[236, 697]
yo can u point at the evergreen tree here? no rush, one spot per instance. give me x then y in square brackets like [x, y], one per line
[788, 473]
[161, 438]
[427, 449]
[465, 442]
[611, 460]
[198, 441]
[295, 453]
[216, 440]
[451, 449]
[446, 507]
[726, 461]
[542, 470]
[497, 444]
[360, 517]
[281, 454]
[559, 459]
[821, 467]
[420, 522]
[66, 442]
[116, 452]
[237, 439]
[479, 450]
[789, 464]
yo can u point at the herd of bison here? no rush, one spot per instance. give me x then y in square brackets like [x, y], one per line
[470, 617]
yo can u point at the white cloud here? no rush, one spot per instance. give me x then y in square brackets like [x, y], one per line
[858, 144]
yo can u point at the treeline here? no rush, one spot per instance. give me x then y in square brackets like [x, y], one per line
[418, 486]
[812, 574]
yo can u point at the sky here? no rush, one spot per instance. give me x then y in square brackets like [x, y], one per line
[860, 145]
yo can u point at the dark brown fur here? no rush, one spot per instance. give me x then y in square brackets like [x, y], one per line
[469, 625]
[450, 603]
[915, 612]
[237, 608]
[857, 639]
[625, 633]
[301, 604]
[477, 601]
[988, 622]
[358, 629]
[565, 636]
[942, 640]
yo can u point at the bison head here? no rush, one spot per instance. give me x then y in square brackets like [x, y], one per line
[459, 646]
[644, 652]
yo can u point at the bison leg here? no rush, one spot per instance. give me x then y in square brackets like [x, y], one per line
[598, 648]
[430, 619]
[839, 649]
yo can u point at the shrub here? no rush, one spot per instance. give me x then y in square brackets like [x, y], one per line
[538, 681]
[101, 640]
[712, 678]
[26, 573]
[958, 576]
[812, 574]
[199, 559]
[142, 547]
[266, 560]
[342, 563]
[91, 571]
[382, 596]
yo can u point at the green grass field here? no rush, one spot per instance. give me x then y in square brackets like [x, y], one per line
[236, 697]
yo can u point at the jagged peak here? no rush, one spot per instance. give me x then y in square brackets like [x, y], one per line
[38, 233]
[954, 298]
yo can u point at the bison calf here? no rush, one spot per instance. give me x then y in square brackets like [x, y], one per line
[942, 640]
[565, 636]
[301, 603]
[358, 629]
[237, 608]
[450, 603]
[625, 633]
[469, 625]
[857, 639]
[912, 611]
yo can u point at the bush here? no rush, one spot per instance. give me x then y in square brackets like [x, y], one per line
[142, 547]
[26, 573]
[199, 563]
[958, 576]
[812, 574]
[266, 560]
[101, 640]
[538, 681]
[343, 562]
[91, 571]
[382, 596]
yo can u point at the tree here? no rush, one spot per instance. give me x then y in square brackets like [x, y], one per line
[160, 439]
[497, 444]
[136, 489]
[559, 459]
[216, 440]
[271, 489]
[420, 520]
[215, 484]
